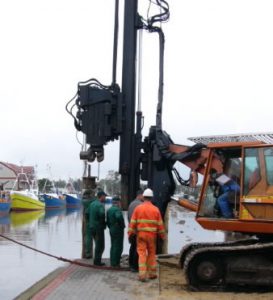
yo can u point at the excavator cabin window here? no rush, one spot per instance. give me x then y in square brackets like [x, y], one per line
[257, 200]
[252, 171]
[258, 171]
[221, 196]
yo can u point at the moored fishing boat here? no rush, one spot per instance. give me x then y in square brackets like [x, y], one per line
[51, 196]
[53, 200]
[25, 201]
[23, 197]
[5, 202]
[72, 200]
[72, 197]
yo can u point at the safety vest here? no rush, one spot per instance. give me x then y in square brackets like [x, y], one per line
[146, 218]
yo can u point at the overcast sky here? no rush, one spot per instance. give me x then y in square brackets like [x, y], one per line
[218, 74]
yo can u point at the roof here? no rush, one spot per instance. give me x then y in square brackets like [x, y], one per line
[19, 169]
[266, 138]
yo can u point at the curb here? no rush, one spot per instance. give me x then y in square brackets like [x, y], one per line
[39, 285]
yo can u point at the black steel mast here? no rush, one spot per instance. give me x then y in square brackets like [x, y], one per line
[129, 162]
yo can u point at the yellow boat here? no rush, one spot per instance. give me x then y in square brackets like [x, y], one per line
[25, 201]
[23, 218]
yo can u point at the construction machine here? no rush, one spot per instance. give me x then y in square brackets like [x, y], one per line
[108, 112]
[248, 160]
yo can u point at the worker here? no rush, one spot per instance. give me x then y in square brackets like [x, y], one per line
[227, 191]
[133, 256]
[115, 222]
[97, 226]
[87, 199]
[147, 224]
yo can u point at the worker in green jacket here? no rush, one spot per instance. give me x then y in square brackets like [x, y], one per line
[97, 226]
[115, 222]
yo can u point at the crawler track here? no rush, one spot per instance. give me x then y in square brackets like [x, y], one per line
[219, 265]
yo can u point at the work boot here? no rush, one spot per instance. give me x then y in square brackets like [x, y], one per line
[133, 270]
[142, 279]
[99, 264]
[152, 276]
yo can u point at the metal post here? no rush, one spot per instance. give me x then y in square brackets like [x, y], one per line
[88, 193]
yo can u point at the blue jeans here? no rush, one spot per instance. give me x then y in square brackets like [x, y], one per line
[224, 205]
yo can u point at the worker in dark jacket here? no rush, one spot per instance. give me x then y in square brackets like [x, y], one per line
[115, 222]
[97, 226]
[133, 255]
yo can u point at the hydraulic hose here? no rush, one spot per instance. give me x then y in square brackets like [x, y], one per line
[75, 262]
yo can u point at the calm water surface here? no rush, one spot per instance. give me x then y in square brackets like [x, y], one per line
[58, 232]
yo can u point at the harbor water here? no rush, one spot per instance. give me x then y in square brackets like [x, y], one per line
[58, 232]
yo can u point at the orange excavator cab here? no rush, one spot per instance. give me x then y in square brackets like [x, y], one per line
[236, 196]
[249, 165]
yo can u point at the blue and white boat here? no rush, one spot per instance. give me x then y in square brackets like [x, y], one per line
[72, 200]
[51, 196]
[5, 203]
[54, 200]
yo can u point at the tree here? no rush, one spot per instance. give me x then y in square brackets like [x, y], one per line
[111, 184]
[60, 183]
[44, 184]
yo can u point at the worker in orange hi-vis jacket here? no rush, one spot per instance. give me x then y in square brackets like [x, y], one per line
[147, 224]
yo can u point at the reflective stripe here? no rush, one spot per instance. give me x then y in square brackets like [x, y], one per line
[131, 229]
[148, 221]
[161, 231]
[142, 265]
[147, 229]
[133, 221]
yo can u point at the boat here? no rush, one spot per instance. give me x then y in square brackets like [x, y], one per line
[25, 201]
[23, 196]
[108, 200]
[5, 203]
[53, 200]
[72, 198]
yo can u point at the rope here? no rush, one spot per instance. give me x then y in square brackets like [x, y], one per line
[74, 262]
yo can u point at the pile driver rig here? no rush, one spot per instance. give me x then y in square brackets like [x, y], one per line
[108, 112]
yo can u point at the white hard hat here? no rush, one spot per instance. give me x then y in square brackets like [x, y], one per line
[148, 193]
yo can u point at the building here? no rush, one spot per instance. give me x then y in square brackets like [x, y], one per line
[9, 172]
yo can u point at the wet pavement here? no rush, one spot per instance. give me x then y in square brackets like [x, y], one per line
[75, 282]
[58, 232]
